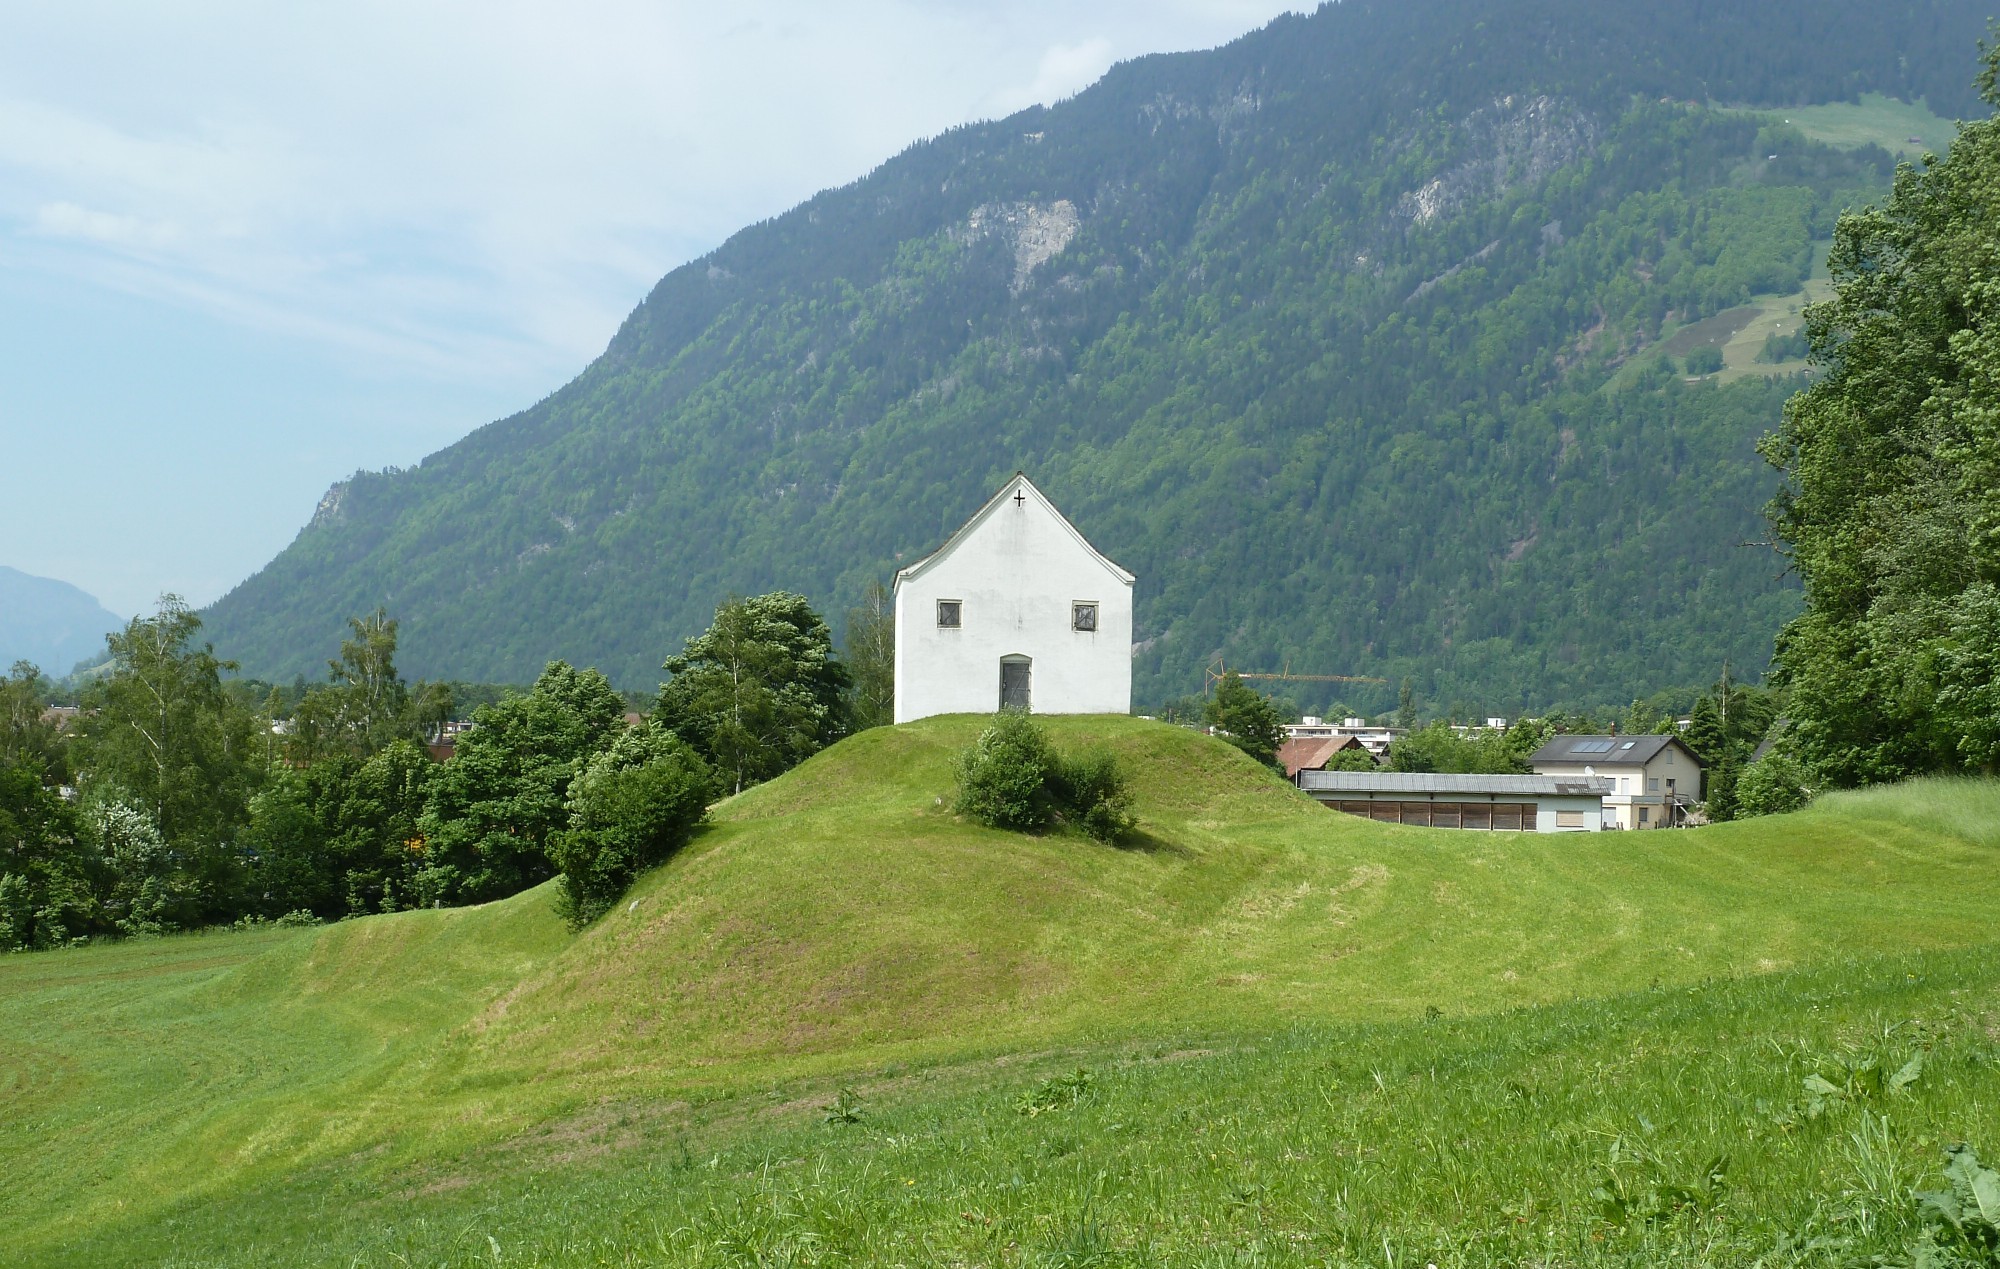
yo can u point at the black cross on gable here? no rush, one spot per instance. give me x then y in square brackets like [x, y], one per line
[1019, 497]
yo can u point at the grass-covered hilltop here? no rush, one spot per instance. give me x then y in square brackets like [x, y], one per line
[845, 1025]
[1401, 339]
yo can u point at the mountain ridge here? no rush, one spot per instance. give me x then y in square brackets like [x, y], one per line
[50, 623]
[1250, 282]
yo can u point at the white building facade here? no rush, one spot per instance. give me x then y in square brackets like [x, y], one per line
[1655, 780]
[1016, 610]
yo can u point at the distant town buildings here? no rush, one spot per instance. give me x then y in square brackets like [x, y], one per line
[1377, 739]
[1580, 783]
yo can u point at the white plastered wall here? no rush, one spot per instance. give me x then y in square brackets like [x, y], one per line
[1016, 569]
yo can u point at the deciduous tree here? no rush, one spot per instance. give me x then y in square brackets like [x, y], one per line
[871, 657]
[759, 692]
[491, 811]
[1247, 718]
[1891, 512]
[161, 732]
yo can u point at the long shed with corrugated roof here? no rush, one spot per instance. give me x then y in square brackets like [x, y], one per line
[1500, 803]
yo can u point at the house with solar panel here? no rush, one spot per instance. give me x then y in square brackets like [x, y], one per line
[1655, 780]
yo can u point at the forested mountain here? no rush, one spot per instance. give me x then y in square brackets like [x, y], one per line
[1350, 339]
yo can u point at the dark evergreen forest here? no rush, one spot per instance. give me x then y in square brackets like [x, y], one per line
[1344, 338]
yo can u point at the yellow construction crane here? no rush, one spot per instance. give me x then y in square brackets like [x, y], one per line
[1217, 672]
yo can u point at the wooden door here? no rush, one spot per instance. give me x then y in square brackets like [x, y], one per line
[1016, 689]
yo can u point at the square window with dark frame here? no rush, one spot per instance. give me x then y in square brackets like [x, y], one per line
[949, 612]
[1083, 616]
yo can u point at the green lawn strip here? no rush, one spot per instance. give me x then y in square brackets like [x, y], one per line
[1671, 1125]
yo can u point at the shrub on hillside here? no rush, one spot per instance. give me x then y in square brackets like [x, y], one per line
[1012, 778]
[635, 804]
[1089, 791]
[1772, 785]
[1003, 778]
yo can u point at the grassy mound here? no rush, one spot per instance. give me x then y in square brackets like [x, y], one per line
[843, 912]
[841, 919]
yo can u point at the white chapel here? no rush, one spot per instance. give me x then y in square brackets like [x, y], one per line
[1016, 610]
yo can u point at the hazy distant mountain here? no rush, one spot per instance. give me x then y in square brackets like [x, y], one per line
[1351, 339]
[51, 623]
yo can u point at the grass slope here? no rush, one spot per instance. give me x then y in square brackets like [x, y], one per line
[839, 920]
[1673, 1126]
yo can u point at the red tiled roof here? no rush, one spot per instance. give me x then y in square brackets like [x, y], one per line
[1312, 753]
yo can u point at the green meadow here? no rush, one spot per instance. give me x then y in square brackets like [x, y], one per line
[1905, 129]
[844, 1027]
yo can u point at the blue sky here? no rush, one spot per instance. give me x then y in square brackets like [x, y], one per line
[246, 248]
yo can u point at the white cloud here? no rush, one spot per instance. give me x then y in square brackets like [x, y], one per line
[67, 220]
[527, 169]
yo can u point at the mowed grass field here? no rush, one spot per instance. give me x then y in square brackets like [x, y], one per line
[479, 1084]
[1905, 129]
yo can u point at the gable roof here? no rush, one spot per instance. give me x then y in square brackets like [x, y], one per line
[1609, 751]
[1312, 753]
[1019, 484]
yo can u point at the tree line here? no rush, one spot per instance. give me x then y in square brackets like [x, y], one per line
[171, 800]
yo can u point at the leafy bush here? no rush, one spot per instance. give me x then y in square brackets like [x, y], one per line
[1012, 778]
[634, 805]
[1003, 778]
[1705, 360]
[1090, 793]
[1772, 785]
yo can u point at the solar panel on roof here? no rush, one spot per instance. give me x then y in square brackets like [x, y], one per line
[1592, 746]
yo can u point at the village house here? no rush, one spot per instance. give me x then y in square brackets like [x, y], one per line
[1655, 780]
[1015, 611]
[1312, 753]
